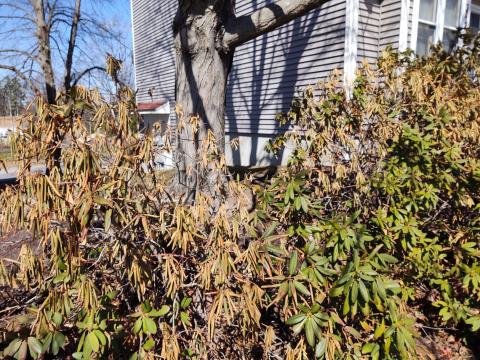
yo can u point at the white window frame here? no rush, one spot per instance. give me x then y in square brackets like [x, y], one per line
[439, 24]
[475, 9]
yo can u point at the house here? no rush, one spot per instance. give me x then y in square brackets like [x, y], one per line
[7, 125]
[267, 71]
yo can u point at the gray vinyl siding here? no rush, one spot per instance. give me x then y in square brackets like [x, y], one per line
[153, 49]
[267, 71]
[368, 31]
[390, 11]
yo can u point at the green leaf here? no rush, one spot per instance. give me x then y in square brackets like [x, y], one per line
[474, 322]
[292, 266]
[388, 259]
[304, 204]
[298, 203]
[346, 307]
[101, 337]
[363, 290]
[273, 249]
[185, 302]
[57, 342]
[375, 354]
[354, 292]
[381, 289]
[295, 319]
[34, 345]
[60, 278]
[162, 311]
[57, 319]
[336, 291]
[320, 348]
[13, 347]
[149, 344]
[146, 307]
[367, 348]
[354, 332]
[93, 341]
[185, 318]
[47, 342]
[380, 329]
[300, 287]
[138, 326]
[315, 308]
[400, 342]
[310, 335]
[149, 326]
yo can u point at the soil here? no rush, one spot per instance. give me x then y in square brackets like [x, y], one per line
[441, 345]
[11, 244]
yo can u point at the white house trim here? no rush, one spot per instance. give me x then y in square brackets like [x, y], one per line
[351, 34]
[413, 37]
[404, 15]
[465, 13]
[133, 45]
[440, 21]
[162, 110]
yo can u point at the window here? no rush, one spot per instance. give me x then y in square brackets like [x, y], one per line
[438, 21]
[475, 19]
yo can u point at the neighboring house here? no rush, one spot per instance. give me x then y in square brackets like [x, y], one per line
[267, 71]
[8, 124]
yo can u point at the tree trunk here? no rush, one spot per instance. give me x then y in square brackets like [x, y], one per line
[44, 53]
[202, 69]
[206, 35]
[67, 81]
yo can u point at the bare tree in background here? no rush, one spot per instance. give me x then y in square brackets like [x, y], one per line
[12, 96]
[45, 39]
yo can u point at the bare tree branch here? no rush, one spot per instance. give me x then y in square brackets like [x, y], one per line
[71, 46]
[244, 28]
[22, 76]
[20, 52]
[87, 71]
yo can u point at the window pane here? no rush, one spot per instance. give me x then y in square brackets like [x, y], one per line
[475, 22]
[451, 13]
[428, 10]
[424, 38]
[449, 39]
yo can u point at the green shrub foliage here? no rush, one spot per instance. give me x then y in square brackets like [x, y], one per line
[370, 233]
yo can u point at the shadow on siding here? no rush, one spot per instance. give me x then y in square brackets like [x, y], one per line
[259, 93]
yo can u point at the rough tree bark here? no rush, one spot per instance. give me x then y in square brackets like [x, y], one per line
[202, 71]
[67, 81]
[45, 53]
[206, 35]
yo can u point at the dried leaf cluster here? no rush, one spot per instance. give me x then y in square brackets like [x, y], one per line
[376, 219]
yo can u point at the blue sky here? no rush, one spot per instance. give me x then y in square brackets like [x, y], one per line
[114, 15]
[119, 11]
